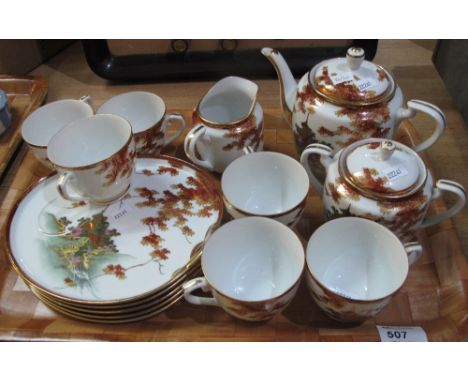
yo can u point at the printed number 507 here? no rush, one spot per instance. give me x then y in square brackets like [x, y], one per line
[396, 334]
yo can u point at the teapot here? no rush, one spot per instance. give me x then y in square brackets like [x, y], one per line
[343, 100]
[381, 180]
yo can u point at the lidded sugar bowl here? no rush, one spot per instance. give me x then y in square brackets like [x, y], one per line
[382, 180]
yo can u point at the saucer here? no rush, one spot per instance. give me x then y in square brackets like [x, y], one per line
[120, 253]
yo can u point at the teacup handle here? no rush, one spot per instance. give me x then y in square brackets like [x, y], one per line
[194, 284]
[443, 185]
[89, 100]
[326, 157]
[190, 144]
[414, 251]
[62, 188]
[432, 111]
[168, 118]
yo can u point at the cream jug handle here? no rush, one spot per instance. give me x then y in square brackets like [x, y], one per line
[442, 186]
[326, 157]
[414, 251]
[194, 284]
[190, 144]
[432, 111]
[168, 118]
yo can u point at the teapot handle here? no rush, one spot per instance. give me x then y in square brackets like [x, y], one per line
[432, 111]
[443, 185]
[326, 157]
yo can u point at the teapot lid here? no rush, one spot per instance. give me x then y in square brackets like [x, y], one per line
[351, 80]
[382, 168]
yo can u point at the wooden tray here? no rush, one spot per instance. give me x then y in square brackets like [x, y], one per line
[25, 94]
[433, 297]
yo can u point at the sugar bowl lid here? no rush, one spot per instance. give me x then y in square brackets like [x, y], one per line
[382, 168]
[352, 80]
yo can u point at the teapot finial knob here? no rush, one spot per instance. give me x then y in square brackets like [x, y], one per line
[355, 57]
[386, 149]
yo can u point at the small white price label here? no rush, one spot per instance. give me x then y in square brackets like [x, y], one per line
[395, 172]
[119, 211]
[364, 84]
[402, 334]
[340, 78]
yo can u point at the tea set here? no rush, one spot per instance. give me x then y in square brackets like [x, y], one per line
[121, 227]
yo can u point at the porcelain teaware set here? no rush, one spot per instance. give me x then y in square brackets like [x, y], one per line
[118, 232]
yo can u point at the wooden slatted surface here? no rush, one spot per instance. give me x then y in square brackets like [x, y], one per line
[25, 94]
[434, 296]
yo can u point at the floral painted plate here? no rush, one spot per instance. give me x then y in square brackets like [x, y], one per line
[193, 268]
[115, 312]
[113, 254]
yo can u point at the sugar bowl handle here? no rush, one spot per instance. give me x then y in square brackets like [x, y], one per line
[414, 251]
[442, 186]
[432, 111]
[326, 157]
[168, 118]
[194, 284]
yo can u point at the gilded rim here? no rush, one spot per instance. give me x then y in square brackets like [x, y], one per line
[301, 205]
[274, 297]
[116, 314]
[138, 91]
[208, 183]
[117, 321]
[348, 177]
[373, 301]
[89, 166]
[151, 301]
[59, 100]
[383, 98]
[225, 125]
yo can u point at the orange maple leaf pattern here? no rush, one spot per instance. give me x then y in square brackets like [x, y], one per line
[177, 204]
[118, 166]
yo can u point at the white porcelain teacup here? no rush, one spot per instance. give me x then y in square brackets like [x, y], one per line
[252, 267]
[95, 157]
[42, 124]
[265, 184]
[146, 112]
[355, 266]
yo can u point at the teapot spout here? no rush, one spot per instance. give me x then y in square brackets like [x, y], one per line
[288, 84]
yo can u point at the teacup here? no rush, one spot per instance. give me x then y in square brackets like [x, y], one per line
[227, 123]
[355, 266]
[267, 184]
[146, 112]
[252, 267]
[42, 124]
[95, 157]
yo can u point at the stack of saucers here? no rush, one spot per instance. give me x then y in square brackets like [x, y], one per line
[121, 262]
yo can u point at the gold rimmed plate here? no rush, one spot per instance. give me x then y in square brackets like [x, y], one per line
[145, 305]
[143, 315]
[118, 254]
[193, 269]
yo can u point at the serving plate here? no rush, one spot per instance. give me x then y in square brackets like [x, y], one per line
[117, 254]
